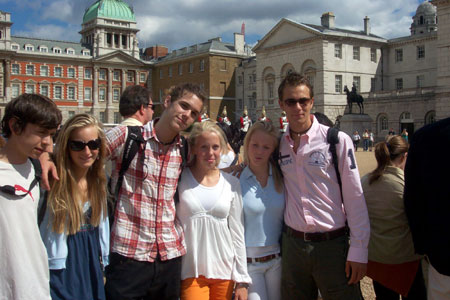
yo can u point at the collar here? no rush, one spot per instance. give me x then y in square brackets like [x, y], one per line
[310, 132]
[131, 122]
[150, 133]
[247, 173]
[394, 170]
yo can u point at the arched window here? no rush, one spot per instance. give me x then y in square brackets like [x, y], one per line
[269, 85]
[286, 69]
[430, 117]
[382, 123]
[421, 20]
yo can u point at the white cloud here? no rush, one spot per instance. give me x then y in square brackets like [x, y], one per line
[52, 32]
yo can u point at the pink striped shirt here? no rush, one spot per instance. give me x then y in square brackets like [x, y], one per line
[313, 198]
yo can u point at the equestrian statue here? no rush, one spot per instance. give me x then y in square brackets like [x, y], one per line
[354, 97]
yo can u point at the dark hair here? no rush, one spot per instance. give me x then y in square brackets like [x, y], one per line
[31, 108]
[180, 90]
[132, 99]
[323, 119]
[385, 153]
[294, 79]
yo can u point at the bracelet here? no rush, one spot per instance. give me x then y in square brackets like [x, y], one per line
[243, 285]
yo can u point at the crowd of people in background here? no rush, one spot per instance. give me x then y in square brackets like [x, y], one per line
[185, 214]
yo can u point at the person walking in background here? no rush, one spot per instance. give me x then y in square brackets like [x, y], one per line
[394, 267]
[211, 214]
[405, 134]
[356, 138]
[371, 140]
[263, 196]
[427, 202]
[366, 140]
[75, 228]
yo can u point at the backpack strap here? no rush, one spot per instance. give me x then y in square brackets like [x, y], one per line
[333, 139]
[43, 195]
[184, 152]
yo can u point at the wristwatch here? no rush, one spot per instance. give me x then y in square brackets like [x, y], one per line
[242, 284]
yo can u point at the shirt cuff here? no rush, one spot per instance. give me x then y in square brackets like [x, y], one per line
[359, 255]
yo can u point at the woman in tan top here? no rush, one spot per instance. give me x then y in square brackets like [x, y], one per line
[393, 265]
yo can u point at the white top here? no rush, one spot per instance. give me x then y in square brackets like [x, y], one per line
[226, 159]
[214, 238]
[206, 195]
[23, 259]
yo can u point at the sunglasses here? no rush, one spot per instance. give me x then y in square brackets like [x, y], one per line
[293, 102]
[79, 145]
[150, 105]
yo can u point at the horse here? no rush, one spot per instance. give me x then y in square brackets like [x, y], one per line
[354, 97]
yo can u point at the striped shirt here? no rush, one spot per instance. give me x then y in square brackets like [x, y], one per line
[145, 223]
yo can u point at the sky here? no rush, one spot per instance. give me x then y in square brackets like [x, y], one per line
[180, 23]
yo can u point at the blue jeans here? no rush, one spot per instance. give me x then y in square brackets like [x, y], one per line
[366, 144]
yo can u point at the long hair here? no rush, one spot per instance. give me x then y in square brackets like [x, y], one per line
[268, 128]
[206, 126]
[385, 153]
[65, 198]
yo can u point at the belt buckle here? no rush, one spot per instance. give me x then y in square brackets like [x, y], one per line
[305, 237]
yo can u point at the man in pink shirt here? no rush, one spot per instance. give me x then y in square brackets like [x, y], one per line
[316, 249]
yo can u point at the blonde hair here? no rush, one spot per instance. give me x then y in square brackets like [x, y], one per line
[385, 153]
[65, 198]
[268, 128]
[207, 126]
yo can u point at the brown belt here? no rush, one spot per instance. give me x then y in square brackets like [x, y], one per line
[262, 259]
[316, 236]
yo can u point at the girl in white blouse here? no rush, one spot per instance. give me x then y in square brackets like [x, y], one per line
[210, 210]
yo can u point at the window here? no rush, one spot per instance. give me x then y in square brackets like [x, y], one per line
[373, 84]
[355, 53]
[223, 65]
[373, 55]
[419, 81]
[399, 83]
[240, 79]
[15, 90]
[357, 83]
[86, 52]
[71, 93]
[87, 73]
[116, 118]
[116, 94]
[71, 72]
[191, 67]
[398, 55]
[161, 74]
[202, 65]
[202, 86]
[420, 52]
[102, 94]
[43, 49]
[170, 71]
[58, 92]
[383, 123]
[102, 74]
[70, 51]
[430, 117]
[87, 93]
[44, 90]
[29, 48]
[161, 95]
[130, 76]
[29, 88]
[58, 71]
[338, 50]
[180, 69]
[338, 83]
[30, 70]
[44, 71]
[102, 117]
[15, 68]
[142, 75]
[15, 47]
[71, 113]
[239, 104]
[57, 50]
[270, 89]
[116, 75]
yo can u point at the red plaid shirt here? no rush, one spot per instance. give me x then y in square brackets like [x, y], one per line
[145, 222]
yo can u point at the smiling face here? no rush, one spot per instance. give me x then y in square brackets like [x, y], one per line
[183, 112]
[207, 150]
[33, 140]
[298, 114]
[84, 159]
[260, 147]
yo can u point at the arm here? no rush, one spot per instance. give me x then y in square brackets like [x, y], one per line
[48, 168]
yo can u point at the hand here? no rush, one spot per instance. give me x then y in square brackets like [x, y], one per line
[357, 271]
[240, 293]
[47, 167]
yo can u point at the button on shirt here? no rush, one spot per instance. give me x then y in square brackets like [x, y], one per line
[313, 197]
[145, 222]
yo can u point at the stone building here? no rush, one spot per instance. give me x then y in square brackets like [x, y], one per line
[88, 76]
[400, 78]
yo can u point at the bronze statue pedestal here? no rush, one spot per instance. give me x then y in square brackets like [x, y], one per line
[349, 123]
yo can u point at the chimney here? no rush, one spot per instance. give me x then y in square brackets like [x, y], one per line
[367, 25]
[239, 43]
[327, 20]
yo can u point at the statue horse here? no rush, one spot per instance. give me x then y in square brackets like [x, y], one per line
[354, 97]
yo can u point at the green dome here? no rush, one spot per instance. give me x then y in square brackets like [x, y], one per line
[110, 9]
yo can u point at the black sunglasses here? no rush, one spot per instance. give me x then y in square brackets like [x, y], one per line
[301, 101]
[79, 145]
[150, 105]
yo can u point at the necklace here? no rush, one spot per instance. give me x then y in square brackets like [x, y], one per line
[296, 132]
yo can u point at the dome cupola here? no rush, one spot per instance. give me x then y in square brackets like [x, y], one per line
[425, 19]
[109, 9]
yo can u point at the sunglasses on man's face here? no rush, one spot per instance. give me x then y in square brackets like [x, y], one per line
[293, 102]
[79, 145]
